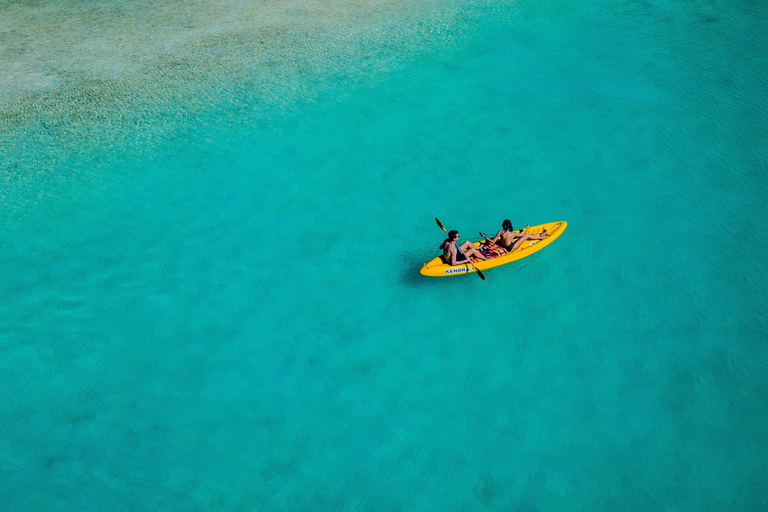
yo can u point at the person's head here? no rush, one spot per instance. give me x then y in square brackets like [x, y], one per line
[453, 235]
[506, 225]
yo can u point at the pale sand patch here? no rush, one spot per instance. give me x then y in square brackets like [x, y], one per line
[41, 41]
[77, 78]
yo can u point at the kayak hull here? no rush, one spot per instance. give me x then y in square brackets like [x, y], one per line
[437, 268]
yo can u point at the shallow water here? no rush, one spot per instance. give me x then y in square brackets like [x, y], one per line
[213, 218]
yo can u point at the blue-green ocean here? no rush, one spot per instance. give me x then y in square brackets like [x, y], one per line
[213, 215]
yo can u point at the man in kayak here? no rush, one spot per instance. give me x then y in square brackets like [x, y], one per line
[454, 255]
[511, 240]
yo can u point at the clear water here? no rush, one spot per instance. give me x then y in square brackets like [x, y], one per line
[213, 216]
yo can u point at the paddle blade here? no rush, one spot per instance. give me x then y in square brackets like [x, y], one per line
[477, 270]
[440, 224]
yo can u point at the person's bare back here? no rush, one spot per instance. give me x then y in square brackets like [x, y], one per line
[510, 239]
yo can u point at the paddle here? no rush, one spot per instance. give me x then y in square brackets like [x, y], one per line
[462, 252]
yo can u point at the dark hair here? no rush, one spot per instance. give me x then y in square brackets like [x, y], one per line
[452, 233]
[507, 225]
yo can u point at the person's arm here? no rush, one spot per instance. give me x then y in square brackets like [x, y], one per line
[454, 255]
[491, 240]
[447, 256]
[521, 232]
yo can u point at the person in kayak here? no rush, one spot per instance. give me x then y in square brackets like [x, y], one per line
[454, 255]
[509, 239]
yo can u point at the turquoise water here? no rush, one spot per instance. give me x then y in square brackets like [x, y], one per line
[213, 216]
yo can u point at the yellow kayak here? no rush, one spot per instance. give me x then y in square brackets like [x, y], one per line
[438, 268]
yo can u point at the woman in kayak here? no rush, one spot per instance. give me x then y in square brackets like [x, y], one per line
[454, 255]
[511, 240]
